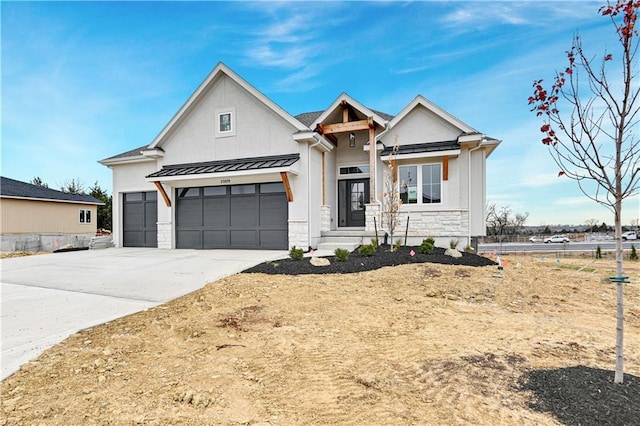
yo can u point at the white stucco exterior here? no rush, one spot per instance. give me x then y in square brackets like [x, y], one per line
[227, 120]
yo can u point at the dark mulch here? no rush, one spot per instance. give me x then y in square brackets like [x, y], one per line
[584, 396]
[359, 263]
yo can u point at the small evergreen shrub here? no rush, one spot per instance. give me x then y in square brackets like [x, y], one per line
[634, 254]
[375, 243]
[397, 245]
[427, 246]
[598, 253]
[367, 250]
[296, 253]
[342, 254]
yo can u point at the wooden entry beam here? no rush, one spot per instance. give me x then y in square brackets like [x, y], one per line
[350, 126]
[287, 187]
[162, 192]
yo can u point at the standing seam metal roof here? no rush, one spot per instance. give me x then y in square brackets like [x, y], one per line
[242, 164]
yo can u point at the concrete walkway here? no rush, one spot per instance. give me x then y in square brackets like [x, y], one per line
[46, 298]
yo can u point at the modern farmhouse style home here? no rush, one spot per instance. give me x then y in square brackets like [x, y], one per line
[234, 170]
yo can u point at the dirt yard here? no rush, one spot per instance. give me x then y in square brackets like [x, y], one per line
[412, 344]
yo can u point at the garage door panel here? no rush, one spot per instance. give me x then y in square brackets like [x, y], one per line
[244, 212]
[189, 239]
[273, 211]
[216, 213]
[133, 216]
[133, 238]
[215, 239]
[151, 215]
[243, 239]
[189, 212]
[273, 239]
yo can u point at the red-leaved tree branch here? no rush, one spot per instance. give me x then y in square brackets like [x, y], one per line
[590, 124]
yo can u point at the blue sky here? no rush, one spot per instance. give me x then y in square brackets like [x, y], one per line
[82, 81]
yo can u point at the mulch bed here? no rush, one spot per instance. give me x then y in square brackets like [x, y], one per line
[359, 263]
[584, 396]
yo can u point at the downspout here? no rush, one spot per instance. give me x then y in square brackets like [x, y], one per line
[481, 145]
[318, 141]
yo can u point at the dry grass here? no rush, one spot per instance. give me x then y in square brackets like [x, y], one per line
[413, 344]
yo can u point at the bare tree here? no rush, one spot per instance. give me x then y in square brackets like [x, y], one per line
[593, 141]
[503, 222]
[591, 223]
[73, 186]
[38, 182]
[391, 201]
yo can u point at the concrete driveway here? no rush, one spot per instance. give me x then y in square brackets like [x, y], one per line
[46, 298]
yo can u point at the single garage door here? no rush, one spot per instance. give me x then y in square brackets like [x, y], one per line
[253, 216]
[139, 219]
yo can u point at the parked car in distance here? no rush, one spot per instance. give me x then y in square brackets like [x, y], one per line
[557, 239]
[536, 239]
[630, 235]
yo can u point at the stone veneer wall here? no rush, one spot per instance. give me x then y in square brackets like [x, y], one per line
[452, 223]
[325, 218]
[165, 233]
[437, 224]
[299, 234]
[371, 211]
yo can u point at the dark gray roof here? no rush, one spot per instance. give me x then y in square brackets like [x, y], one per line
[422, 147]
[307, 118]
[132, 153]
[241, 164]
[384, 115]
[15, 188]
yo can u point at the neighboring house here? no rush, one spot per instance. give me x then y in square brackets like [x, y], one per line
[234, 170]
[36, 218]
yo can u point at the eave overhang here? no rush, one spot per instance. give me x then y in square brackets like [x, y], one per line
[224, 169]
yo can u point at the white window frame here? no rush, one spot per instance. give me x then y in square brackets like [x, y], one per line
[419, 184]
[231, 112]
[84, 217]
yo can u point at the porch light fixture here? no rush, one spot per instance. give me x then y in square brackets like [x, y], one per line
[352, 140]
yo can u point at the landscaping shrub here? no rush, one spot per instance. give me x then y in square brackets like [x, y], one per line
[598, 253]
[427, 246]
[367, 250]
[453, 244]
[342, 254]
[296, 253]
[375, 243]
[634, 254]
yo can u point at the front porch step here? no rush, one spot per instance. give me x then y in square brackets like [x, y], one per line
[332, 246]
[344, 239]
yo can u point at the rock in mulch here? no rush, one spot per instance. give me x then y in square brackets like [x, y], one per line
[453, 253]
[319, 261]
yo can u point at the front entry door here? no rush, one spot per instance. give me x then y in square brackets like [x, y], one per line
[353, 194]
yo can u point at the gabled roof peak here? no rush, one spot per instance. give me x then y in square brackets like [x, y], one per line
[420, 100]
[219, 70]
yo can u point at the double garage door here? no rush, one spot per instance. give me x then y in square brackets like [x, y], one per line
[253, 216]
